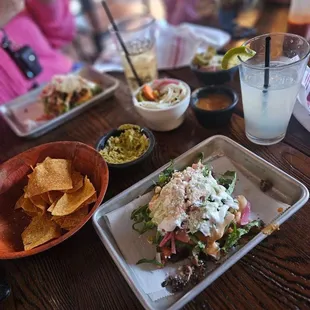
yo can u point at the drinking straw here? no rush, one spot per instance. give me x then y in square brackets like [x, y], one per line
[266, 76]
[111, 19]
[267, 63]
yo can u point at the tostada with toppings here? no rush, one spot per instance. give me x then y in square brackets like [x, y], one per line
[65, 92]
[194, 216]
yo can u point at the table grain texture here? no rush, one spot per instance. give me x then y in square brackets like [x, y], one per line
[79, 273]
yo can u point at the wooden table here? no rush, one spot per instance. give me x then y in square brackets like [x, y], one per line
[79, 274]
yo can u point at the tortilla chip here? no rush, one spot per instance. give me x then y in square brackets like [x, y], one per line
[54, 196]
[38, 202]
[27, 206]
[90, 200]
[40, 230]
[20, 202]
[69, 203]
[70, 221]
[31, 210]
[52, 207]
[44, 197]
[77, 182]
[51, 174]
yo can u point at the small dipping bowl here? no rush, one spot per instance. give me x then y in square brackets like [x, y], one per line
[115, 133]
[217, 117]
[216, 77]
[164, 119]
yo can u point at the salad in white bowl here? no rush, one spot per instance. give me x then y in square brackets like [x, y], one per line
[162, 103]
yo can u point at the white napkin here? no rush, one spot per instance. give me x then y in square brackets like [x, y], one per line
[302, 108]
[176, 46]
[135, 247]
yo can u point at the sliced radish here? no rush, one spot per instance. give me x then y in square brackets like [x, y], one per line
[166, 239]
[245, 215]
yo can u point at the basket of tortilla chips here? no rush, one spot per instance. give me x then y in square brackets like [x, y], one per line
[47, 194]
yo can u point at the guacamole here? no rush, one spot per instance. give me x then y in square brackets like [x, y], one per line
[128, 146]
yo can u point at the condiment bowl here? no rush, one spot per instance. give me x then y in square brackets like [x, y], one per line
[214, 78]
[164, 119]
[214, 118]
[13, 178]
[115, 133]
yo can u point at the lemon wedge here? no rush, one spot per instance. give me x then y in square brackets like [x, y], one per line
[232, 57]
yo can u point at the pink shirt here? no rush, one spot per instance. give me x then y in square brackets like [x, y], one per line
[179, 11]
[45, 28]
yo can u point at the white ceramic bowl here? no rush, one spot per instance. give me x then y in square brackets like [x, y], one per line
[164, 119]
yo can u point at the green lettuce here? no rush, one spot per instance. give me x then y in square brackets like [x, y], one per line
[96, 90]
[206, 169]
[141, 216]
[140, 97]
[149, 261]
[228, 180]
[201, 156]
[165, 176]
[237, 233]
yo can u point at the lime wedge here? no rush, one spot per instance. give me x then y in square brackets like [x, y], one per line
[231, 58]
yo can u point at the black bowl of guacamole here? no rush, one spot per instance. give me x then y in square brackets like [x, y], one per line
[126, 146]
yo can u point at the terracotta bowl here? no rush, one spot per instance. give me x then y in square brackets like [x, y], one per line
[13, 178]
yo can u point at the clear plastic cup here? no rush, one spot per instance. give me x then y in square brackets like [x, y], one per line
[267, 110]
[138, 34]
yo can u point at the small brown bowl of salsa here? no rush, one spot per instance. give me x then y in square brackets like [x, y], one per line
[214, 105]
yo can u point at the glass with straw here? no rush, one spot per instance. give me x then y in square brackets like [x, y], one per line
[270, 82]
[138, 35]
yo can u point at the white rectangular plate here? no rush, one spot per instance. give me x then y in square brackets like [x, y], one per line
[217, 150]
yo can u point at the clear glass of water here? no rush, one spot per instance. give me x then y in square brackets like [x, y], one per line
[138, 34]
[267, 110]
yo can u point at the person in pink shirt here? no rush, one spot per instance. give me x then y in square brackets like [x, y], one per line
[179, 11]
[43, 25]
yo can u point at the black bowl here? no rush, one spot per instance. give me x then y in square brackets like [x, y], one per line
[215, 118]
[214, 78]
[115, 133]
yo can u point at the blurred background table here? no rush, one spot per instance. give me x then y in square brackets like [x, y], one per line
[79, 274]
